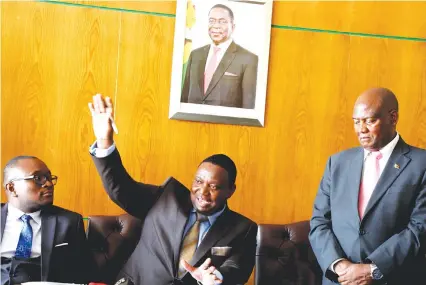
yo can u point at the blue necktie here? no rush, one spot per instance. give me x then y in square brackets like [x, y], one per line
[25, 239]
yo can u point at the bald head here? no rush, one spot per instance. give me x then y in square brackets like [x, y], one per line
[381, 97]
[12, 167]
[375, 117]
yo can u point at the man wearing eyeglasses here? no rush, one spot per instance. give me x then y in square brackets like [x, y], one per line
[221, 73]
[39, 241]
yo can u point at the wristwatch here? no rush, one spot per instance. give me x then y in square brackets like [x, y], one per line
[375, 272]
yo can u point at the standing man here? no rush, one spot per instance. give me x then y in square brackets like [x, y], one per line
[221, 73]
[369, 219]
[39, 241]
[184, 230]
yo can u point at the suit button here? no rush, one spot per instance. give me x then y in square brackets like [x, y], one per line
[361, 232]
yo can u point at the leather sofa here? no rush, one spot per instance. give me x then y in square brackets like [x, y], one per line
[284, 256]
[111, 240]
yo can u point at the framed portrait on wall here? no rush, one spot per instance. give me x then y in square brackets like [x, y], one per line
[220, 61]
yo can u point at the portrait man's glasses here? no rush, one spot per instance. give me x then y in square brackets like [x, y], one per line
[38, 179]
[220, 21]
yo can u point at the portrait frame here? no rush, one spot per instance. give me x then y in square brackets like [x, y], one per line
[195, 39]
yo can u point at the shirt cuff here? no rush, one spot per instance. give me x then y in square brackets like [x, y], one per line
[100, 152]
[334, 263]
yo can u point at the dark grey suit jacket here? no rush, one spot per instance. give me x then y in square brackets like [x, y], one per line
[70, 263]
[233, 83]
[165, 210]
[392, 231]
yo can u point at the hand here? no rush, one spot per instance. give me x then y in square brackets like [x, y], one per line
[359, 274]
[102, 112]
[341, 266]
[204, 273]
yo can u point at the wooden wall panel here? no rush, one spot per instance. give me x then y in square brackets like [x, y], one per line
[156, 6]
[399, 18]
[54, 57]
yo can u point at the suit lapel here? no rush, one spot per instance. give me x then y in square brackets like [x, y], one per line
[227, 59]
[3, 219]
[390, 173]
[202, 68]
[220, 228]
[48, 226]
[182, 215]
[354, 180]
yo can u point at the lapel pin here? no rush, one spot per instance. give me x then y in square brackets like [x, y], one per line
[396, 165]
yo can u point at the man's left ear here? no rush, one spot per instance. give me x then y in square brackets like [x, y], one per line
[394, 117]
[10, 188]
[232, 190]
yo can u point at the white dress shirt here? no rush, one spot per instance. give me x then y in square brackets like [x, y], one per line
[386, 152]
[12, 231]
[223, 48]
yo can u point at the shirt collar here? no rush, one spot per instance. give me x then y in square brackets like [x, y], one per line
[387, 149]
[15, 214]
[212, 218]
[223, 46]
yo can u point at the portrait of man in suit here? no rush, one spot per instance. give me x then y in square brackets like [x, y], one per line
[189, 235]
[369, 218]
[221, 73]
[40, 241]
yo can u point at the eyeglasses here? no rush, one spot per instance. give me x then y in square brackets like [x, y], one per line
[38, 179]
[220, 21]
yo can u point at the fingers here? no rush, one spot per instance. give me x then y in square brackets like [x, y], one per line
[209, 276]
[91, 108]
[210, 270]
[205, 264]
[101, 105]
[188, 267]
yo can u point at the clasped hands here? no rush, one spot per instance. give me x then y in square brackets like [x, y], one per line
[353, 273]
[204, 274]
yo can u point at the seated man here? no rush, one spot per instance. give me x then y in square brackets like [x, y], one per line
[39, 241]
[184, 230]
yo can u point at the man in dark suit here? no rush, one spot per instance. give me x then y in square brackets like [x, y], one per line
[221, 73]
[184, 230]
[39, 241]
[369, 219]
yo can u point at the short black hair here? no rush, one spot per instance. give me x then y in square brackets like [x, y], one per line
[12, 164]
[231, 14]
[226, 163]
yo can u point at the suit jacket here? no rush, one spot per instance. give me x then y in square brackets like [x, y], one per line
[165, 210]
[70, 263]
[233, 84]
[391, 234]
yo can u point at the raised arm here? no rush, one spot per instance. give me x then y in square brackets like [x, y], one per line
[133, 197]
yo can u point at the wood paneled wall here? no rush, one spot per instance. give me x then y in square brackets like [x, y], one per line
[56, 56]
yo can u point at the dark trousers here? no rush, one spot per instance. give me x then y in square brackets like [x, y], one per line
[19, 270]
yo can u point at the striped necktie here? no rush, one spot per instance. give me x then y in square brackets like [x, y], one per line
[190, 242]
